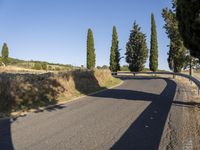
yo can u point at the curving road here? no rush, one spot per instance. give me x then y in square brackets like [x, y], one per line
[131, 116]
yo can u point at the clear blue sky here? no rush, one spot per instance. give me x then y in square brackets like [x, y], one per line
[56, 30]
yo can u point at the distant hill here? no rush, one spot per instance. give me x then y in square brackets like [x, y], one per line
[39, 65]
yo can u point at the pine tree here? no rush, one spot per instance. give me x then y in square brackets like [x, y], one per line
[114, 52]
[4, 54]
[153, 60]
[91, 57]
[188, 16]
[177, 52]
[136, 49]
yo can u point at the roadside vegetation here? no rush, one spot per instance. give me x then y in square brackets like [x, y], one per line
[27, 91]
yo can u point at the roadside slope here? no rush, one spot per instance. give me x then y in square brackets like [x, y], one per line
[27, 91]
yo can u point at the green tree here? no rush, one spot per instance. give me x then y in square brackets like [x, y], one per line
[153, 59]
[188, 16]
[114, 52]
[177, 52]
[5, 54]
[91, 57]
[37, 66]
[136, 49]
[44, 66]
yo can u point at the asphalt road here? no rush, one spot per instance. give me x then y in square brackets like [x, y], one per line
[131, 116]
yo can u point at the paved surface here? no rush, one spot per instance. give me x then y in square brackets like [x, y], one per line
[131, 116]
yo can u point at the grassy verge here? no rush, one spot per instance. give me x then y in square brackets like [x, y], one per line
[22, 92]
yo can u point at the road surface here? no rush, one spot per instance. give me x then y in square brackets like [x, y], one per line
[131, 116]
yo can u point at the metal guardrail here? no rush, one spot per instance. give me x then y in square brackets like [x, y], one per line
[191, 78]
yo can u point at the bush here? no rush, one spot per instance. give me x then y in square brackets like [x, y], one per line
[44, 66]
[37, 66]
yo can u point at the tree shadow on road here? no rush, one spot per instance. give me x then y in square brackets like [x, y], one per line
[5, 135]
[146, 131]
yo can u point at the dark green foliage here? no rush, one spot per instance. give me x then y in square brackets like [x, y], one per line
[176, 59]
[188, 15]
[114, 52]
[153, 59]
[91, 57]
[4, 54]
[191, 62]
[44, 66]
[177, 50]
[136, 49]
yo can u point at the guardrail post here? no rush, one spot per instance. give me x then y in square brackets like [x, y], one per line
[173, 76]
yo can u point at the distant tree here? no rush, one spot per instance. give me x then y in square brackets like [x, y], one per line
[114, 52]
[44, 66]
[37, 66]
[50, 68]
[136, 49]
[105, 67]
[98, 67]
[5, 54]
[176, 59]
[91, 57]
[153, 59]
[188, 15]
[190, 62]
[125, 68]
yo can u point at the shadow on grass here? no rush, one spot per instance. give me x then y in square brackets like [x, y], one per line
[26, 91]
[90, 85]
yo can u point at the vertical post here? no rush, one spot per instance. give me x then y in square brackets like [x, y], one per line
[173, 76]
[190, 71]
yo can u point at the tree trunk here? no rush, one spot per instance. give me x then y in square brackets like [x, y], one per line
[190, 72]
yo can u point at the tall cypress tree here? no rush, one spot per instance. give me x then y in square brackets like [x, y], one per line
[177, 51]
[5, 53]
[91, 57]
[136, 49]
[153, 60]
[114, 52]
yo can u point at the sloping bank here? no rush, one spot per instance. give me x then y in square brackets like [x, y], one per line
[27, 91]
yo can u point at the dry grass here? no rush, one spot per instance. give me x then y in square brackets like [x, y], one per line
[26, 91]
[194, 98]
[15, 69]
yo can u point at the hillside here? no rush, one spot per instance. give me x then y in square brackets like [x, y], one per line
[24, 66]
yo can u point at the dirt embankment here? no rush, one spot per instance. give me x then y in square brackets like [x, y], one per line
[26, 91]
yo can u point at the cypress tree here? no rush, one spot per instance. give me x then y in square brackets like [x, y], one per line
[177, 52]
[91, 57]
[114, 52]
[5, 53]
[136, 49]
[153, 60]
[188, 16]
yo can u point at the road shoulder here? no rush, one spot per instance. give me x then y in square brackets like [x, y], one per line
[182, 128]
